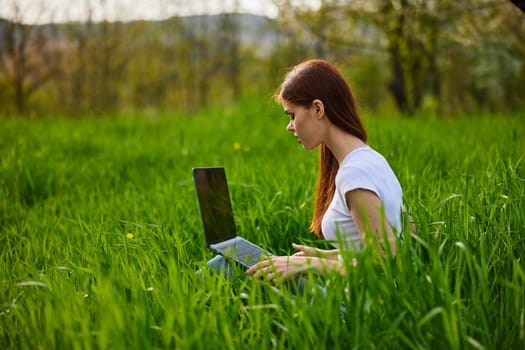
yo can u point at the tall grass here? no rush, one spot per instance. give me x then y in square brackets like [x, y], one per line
[100, 236]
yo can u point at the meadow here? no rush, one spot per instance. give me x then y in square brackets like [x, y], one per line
[100, 235]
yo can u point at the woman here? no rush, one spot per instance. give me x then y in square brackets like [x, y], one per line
[359, 198]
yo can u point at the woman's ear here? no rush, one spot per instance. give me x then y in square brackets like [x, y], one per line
[318, 107]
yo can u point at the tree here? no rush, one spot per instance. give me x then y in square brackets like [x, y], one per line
[27, 59]
[437, 50]
[411, 29]
[228, 50]
[95, 61]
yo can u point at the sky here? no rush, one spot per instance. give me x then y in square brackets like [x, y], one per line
[44, 11]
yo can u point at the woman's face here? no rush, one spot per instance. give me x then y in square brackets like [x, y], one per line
[304, 123]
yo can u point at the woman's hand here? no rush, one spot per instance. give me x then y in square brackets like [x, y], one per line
[281, 267]
[304, 250]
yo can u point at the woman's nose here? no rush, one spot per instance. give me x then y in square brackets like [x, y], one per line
[291, 126]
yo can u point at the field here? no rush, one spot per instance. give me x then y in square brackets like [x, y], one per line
[100, 236]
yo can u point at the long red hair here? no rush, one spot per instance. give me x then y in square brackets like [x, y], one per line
[319, 79]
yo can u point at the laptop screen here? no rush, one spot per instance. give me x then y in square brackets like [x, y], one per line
[214, 202]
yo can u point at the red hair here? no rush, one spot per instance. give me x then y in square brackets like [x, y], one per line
[319, 79]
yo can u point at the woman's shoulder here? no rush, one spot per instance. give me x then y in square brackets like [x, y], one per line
[368, 169]
[363, 158]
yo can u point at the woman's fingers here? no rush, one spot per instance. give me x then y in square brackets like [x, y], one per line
[304, 250]
[260, 265]
[269, 267]
[264, 269]
[278, 267]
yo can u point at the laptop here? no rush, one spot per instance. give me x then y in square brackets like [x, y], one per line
[218, 220]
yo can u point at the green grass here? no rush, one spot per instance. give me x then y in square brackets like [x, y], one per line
[100, 236]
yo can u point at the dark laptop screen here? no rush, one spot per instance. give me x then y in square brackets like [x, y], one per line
[214, 202]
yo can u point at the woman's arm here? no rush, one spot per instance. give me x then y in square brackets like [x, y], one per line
[307, 259]
[287, 267]
[365, 208]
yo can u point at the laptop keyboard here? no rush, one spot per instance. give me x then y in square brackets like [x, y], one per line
[245, 252]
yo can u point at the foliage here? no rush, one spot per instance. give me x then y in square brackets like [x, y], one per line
[100, 235]
[442, 57]
[442, 51]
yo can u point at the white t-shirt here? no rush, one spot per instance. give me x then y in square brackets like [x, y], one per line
[363, 168]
